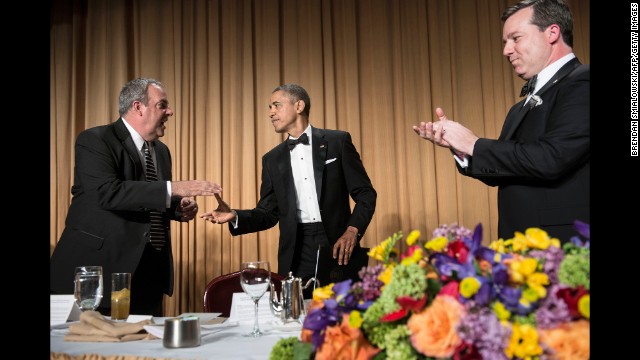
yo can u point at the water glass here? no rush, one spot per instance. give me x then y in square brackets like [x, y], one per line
[88, 287]
[255, 277]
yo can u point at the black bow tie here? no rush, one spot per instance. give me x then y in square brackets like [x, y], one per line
[529, 86]
[303, 139]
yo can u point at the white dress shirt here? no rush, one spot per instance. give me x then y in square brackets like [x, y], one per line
[139, 142]
[308, 210]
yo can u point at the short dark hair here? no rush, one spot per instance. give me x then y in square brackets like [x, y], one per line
[545, 13]
[296, 92]
[135, 90]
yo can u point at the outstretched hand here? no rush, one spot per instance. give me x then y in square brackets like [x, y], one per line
[194, 188]
[221, 214]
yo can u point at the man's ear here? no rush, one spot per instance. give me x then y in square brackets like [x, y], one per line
[300, 105]
[137, 107]
[553, 33]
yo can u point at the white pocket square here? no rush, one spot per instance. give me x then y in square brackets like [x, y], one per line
[330, 161]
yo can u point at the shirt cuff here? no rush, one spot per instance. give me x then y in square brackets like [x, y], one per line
[234, 223]
[168, 199]
[464, 162]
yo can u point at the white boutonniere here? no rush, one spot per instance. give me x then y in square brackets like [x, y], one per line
[535, 101]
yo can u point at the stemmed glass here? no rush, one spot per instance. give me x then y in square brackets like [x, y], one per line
[255, 277]
[88, 287]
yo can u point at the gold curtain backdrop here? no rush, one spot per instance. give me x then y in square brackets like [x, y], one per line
[373, 68]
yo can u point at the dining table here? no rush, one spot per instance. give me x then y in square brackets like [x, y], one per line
[228, 343]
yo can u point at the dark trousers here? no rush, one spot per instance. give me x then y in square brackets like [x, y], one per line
[310, 236]
[147, 290]
[147, 285]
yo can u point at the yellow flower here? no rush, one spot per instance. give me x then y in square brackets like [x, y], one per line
[536, 281]
[584, 306]
[498, 246]
[469, 286]
[530, 295]
[501, 312]
[518, 242]
[385, 276]
[524, 302]
[524, 342]
[413, 237]
[383, 251]
[537, 238]
[355, 319]
[377, 252]
[323, 293]
[437, 243]
[523, 268]
[413, 259]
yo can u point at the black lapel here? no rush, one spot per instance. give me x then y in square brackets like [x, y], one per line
[512, 123]
[283, 166]
[127, 142]
[319, 152]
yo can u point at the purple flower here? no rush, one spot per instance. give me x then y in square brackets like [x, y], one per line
[369, 288]
[500, 275]
[482, 328]
[448, 266]
[317, 320]
[452, 232]
[551, 259]
[553, 311]
[583, 229]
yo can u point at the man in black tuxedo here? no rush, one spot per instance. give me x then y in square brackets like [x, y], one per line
[306, 184]
[541, 160]
[109, 222]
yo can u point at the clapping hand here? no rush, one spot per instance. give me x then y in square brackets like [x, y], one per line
[447, 133]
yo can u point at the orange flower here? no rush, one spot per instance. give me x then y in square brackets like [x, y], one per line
[345, 343]
[569, 340]
[306, 335]
[434, 329]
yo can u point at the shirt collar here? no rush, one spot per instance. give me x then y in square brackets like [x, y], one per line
[306, 131]
[547, 73]
[137, 139]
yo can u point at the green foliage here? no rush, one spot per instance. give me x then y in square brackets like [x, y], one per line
[575, 269]
[302, 351]
[284, 349]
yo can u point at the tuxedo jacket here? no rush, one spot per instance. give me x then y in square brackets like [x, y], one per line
[338, 173]
[108, 220]
[541, 161]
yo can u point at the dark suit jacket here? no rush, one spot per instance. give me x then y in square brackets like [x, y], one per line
[108, 220]
[335, 182]
[541, 160]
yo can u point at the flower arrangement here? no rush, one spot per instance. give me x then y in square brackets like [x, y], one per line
[535, 101]
[452, 298]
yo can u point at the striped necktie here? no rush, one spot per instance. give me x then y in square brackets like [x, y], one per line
[156, 235]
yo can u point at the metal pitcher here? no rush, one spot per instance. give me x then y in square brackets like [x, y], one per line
[291, 303]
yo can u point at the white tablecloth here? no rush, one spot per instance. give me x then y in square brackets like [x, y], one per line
[227, 344]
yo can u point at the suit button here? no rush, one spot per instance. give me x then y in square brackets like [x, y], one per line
[146, 234]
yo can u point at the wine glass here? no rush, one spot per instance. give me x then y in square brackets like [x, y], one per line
[88, 287]
[255, 277]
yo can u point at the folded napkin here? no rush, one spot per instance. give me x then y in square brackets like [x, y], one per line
[95, 327]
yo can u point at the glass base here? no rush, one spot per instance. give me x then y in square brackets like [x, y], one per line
[256, 333]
